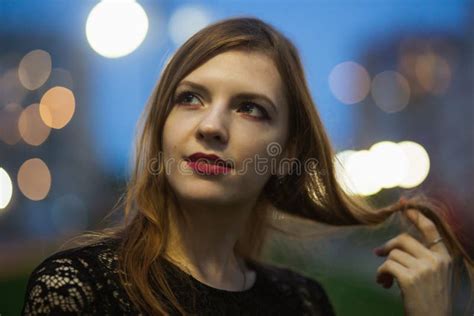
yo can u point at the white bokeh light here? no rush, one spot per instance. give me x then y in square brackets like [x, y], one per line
[186, 21]
[361, 174]
[6, 189]
[342, 177]
[390, 163]
[385, 165]
[418, 164]
[115, 28]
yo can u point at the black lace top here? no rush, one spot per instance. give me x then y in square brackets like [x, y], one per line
[85, 281]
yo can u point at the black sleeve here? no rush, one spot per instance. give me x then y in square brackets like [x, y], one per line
[60, 285]
[319, 298]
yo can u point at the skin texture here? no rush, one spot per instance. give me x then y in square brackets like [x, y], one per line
[216, 207]
[423, 274]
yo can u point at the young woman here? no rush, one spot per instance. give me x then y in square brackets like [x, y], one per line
[231, 104]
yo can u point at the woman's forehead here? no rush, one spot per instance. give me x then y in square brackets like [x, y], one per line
[237, 72]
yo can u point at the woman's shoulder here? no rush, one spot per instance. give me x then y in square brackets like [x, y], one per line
[86, 258]
[292, 284]
[67, 281]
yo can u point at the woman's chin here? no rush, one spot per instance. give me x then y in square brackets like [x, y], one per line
[203, 195]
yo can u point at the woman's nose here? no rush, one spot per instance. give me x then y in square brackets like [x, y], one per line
[213, 126]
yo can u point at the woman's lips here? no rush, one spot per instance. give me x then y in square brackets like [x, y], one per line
[210, 158]
[204, 168]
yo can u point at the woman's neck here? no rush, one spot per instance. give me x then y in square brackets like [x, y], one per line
[202, 243]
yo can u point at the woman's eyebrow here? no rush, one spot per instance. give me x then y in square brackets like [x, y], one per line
[242, 95]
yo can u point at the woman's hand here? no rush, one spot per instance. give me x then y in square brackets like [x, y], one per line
[423, 273]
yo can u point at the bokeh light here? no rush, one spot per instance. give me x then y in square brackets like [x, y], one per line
[31, 126]
[11, 89]
[390, 91]
[340, 162]
[57, 107]
[6, 189]
[9, 116]
[34, 69]
[186, 21]
[115, 28]
[390, 163]
[418, 166]
[385, 165]
[361, 174]
[433, 72]
[427, 64]
[34, 179]
[349, 82]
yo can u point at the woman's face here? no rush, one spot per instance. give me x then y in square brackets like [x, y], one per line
[214, 113]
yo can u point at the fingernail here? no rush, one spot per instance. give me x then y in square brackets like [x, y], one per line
[377, 251]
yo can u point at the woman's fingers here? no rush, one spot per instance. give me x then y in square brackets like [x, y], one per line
[428, 230]
[402, 257]
[412, 245]
[423, 273]
[406, 243]
[407, 252]
[390, 269]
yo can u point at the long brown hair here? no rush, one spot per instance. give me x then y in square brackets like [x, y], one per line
[314, 196]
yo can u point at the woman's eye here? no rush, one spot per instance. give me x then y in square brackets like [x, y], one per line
[186, 98]
[253, 106]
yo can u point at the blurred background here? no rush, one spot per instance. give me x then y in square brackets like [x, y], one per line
[392, 80]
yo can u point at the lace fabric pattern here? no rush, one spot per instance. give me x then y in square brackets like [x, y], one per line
[85, 281]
